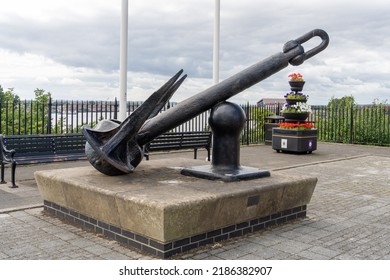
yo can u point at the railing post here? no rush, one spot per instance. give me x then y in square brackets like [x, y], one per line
[13, 116]
[115, 109]
[49, 117]
[19, 117]
[6, 118]
[351, 127]
[247, 123]
[1, 117]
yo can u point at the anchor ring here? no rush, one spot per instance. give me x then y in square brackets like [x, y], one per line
[297, 43]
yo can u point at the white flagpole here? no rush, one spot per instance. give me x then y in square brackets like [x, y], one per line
[123, 61]
[216, 42]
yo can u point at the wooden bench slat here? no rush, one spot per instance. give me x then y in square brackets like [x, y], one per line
[40, 148]
[180, 140]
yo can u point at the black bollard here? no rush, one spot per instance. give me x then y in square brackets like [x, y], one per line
[226, 121]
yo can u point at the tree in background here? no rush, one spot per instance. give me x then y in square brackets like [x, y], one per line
[24, 117]
[372, 124]
[8, 96]
[40, 111]
[339, 118]
[9, 104]
[256, 116]
[343, 121]
[346, 101]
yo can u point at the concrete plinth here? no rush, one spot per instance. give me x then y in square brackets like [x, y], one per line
[161, 212]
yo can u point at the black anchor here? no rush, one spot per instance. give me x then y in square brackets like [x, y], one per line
[115, 148]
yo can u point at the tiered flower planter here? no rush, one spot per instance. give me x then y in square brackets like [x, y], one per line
[299, 140]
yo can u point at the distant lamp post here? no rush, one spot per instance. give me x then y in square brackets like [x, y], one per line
[123, 61]
[216, 42]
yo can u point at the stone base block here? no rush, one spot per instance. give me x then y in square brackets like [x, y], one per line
[161, 212]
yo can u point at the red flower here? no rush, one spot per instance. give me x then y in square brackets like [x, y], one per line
[297, 126]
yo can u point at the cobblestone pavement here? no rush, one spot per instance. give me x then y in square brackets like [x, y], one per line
[348, 218]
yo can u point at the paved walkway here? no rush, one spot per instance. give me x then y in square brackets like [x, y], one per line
[348, 217]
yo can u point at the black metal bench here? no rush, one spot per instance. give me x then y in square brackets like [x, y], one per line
[180, 141]
[40, 148]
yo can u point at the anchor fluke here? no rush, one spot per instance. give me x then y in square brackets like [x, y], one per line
[112, 146]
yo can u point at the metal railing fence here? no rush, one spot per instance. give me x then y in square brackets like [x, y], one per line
[354, 125]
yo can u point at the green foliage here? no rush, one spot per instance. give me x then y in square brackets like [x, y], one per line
[40, 115]
[372, 124]
[24, 117]
[343, 121]
[42, 96]
[346, 102]
[257, 117]
[334, 123]
[9, 104]
[8, 96]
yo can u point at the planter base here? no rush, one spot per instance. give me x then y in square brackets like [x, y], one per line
[299, 141]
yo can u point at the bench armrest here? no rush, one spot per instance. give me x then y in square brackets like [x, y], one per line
[6, 154]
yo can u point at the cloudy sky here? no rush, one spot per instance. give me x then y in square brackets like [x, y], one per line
[71, 47]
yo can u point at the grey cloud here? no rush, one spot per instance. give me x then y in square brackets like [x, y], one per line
[165, 36]
[75, 43]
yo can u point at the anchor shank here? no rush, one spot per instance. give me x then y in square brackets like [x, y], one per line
[208, 98]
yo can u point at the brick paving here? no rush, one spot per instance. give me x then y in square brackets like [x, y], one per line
[348, 217]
